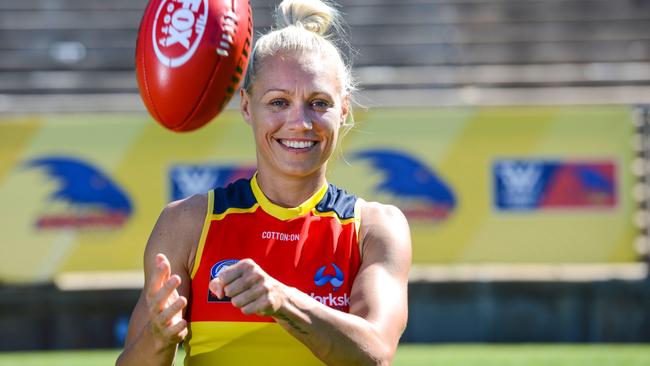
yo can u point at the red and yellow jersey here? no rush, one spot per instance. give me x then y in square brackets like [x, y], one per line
[313, 247]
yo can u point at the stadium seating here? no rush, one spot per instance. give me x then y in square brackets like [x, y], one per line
[432, 51]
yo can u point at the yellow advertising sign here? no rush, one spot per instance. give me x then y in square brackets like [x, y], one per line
[522, 185]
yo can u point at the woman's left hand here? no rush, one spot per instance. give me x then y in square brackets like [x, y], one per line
[250, 288]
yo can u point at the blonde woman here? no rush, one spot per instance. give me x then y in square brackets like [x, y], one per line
[282, 268]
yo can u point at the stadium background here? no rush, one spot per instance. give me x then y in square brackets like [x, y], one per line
[512, 133]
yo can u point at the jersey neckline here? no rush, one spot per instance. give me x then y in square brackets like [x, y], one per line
[284, 213]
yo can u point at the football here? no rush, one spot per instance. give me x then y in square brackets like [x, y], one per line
[190, 57]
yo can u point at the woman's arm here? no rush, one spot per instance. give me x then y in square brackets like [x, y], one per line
[157, 325]
[369, 334]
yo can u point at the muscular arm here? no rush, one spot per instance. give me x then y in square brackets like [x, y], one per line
[157, 325]
[369, 334]
[378, 303]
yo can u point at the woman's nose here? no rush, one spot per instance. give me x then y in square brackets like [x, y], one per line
[298, 118]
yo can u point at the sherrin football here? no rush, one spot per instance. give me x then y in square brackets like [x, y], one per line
[190, 58]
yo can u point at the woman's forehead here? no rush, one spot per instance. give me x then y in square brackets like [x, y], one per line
[287, 69]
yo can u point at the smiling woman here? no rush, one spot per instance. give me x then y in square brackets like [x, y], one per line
[282, 268]
[296, 113]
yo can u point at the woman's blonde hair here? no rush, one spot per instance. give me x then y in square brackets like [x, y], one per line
[305, 26]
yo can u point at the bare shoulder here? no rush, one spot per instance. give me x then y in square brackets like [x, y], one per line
[382, 219]
[187, 210]
[385, 235]
[178, 230]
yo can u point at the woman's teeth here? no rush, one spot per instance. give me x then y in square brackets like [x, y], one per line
[297, 144]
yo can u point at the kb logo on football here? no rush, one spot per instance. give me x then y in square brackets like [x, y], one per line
[178, 28]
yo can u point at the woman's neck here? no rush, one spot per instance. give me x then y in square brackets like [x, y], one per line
[289, 191]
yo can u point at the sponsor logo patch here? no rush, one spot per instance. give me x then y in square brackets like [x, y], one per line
[321, 279]
[336, 302]
[274, 235]
[214, 272]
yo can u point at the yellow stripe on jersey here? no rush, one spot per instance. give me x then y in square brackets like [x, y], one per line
[334, 215]
[283, 213]
[357, 216]
[204, 234]
[232, 343]
[233, 210]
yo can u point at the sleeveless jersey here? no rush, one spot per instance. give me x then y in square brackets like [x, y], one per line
[313, 247]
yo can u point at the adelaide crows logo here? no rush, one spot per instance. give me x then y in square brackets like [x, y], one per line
[92, 198]
[414, 186]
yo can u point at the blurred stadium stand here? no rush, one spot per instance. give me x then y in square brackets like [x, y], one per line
[78, 55]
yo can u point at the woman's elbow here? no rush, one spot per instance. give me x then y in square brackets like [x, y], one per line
[382, 355]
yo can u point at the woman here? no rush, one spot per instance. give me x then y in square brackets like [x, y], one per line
[283, 268]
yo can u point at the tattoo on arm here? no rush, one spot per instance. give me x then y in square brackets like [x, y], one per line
[291, 323]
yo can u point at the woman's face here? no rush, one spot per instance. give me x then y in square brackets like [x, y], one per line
[296, 107]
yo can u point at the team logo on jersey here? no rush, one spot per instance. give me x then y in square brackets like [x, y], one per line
[178, 28]
[411, 184]
[90, 197]
[189, 179]
[336, 280]
[214, 272]
[532, 185]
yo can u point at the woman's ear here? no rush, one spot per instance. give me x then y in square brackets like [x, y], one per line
[244, 105]
[345, 109]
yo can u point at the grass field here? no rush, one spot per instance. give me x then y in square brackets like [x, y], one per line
[412, 355]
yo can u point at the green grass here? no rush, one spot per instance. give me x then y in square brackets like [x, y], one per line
[412, 355]
[524, 355]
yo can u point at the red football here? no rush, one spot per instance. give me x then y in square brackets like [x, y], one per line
[190, 57]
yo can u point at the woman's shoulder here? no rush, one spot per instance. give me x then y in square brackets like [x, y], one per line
[385, 236]
[379, 212]
[383, 220]
[187, 210]
[178, 231]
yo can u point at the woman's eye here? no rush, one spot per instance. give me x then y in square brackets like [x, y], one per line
[320, 104]
[279, 103]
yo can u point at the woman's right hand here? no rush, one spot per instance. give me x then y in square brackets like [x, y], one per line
[165, 305]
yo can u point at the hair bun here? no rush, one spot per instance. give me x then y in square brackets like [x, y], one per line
[313, 15]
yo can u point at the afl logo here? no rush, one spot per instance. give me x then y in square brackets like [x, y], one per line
[214, 272]
[177, 30]
[220, 266]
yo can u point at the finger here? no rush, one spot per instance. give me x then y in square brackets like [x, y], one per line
[231, 273]
[176, 332]
[161, 273]
[216, 286]
[166, 317]
[240, 285]
[241, 268]
[248, 296]
[164, 266]
[260, 306]
[166, 293]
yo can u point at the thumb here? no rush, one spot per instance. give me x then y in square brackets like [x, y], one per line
[216, 286]
[162, 272]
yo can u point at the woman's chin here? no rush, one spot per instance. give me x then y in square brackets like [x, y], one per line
[299, 170]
